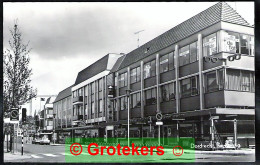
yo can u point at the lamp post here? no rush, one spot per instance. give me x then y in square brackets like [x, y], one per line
[54, 128]
[128, 91]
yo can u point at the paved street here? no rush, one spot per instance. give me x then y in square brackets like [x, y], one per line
[49, 153]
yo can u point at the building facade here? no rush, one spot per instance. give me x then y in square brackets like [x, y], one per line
[199, 75]
[63, 115]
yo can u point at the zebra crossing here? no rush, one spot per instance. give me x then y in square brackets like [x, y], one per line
[44, 155]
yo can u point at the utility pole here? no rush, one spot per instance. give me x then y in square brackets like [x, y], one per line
[138, 37]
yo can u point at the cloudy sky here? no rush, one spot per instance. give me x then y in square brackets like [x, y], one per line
[67, 37]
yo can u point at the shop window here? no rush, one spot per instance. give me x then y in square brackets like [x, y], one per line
[210, 45]
[167, 92]
[149, 69]
[150, 96]
[184, 55]
[193, 52]
[136, 100]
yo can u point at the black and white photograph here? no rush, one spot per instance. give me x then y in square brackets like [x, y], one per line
[128, 82]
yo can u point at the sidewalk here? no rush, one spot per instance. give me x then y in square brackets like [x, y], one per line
[9, 157]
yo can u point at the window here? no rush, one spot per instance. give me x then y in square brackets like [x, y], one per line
[194, 86]
[166, 62]
[100, 85]
[189, 86]
[244, 39]
[149, 69]
[167, 92]
[210, 45]
[115, 81]
[237, 43]
[80, 92]
[230, 42]
[150, 96]
[184, 56]
[138, 74]
[215, 80]
[136, 100]
[252, 45]
[193, 52]
[171, 60]
[185, 87]
[123, 103]
[135, 75]
[240, 80]
[100, 105]
[123, 79]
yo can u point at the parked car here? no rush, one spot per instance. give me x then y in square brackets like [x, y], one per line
[36, 141]
[45, 141]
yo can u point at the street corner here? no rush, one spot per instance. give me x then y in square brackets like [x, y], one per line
[10, 157]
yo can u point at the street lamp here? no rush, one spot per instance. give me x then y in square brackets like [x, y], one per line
[128, 91]
[54, 128]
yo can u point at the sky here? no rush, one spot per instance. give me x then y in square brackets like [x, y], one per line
[67, 37]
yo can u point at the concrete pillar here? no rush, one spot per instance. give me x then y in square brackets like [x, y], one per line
[235, 133]
[142, 88]
[157, 82]
[129, 88]
[201, 84]
[117, 94]
[176, 61]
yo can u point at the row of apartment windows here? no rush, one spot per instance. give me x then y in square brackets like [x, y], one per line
[238, 80]
[93, 92]
[229, 42]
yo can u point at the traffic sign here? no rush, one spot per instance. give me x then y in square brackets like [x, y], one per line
[159, 123]
[159, 116]
[14, 115]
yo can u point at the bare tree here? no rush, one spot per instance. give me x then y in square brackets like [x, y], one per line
[17, 88]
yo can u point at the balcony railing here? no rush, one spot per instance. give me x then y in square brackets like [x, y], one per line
[78, 100]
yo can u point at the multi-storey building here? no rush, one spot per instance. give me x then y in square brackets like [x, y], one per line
[46, 119]
[63, 114]
[199, 75]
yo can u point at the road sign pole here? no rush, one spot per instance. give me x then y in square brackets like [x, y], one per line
[159, 134]
[22, 142]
